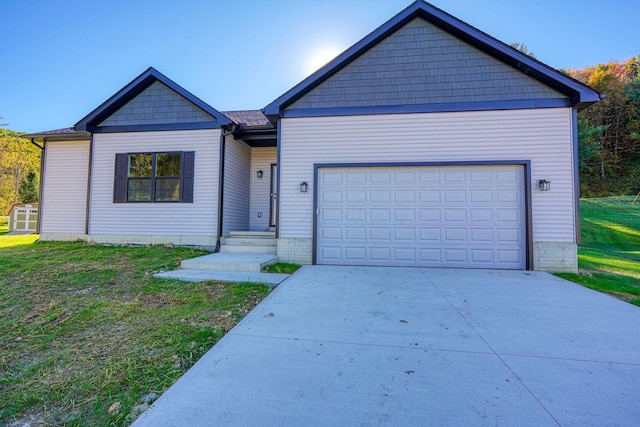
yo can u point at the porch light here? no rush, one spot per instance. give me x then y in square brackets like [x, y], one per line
[304, 187]
[544, 185]
[259, 174]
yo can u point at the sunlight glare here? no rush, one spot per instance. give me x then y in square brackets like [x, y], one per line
[320, 57]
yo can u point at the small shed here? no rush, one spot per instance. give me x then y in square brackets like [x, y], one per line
[24, 217]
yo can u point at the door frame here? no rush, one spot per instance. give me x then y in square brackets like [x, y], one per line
[273, 195]
[526, 165]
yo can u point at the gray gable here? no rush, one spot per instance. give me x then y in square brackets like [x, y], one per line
[422, 64]
[158, 104]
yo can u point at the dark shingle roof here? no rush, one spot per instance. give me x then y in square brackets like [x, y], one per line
[60, 133]
[63, 131]
[249, 118]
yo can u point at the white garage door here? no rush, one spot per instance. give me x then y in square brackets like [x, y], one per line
[428, 216]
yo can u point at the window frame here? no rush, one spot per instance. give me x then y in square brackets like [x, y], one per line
[122, 178]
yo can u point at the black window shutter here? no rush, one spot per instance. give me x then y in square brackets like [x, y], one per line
[188, 162]
[120, 179]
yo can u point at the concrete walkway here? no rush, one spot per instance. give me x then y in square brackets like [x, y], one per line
[343, 346]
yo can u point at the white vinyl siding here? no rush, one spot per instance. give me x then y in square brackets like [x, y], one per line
[236, 186]
[542, 136]
[261, 159]
[155, 219]
[64, 192]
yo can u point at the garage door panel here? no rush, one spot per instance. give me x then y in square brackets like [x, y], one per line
[405, 177]
[380, 177]
[455, 215]
[356, 233]
[355, 177]
[408, 234]
[455, 196]
[332, 214]
[381, 215]
[430, 234]
[331, 253]
[382, 255]
[405, 255]
[405, 196]
[355, 196]
[485, 256]
[380, 196]
[404, 215]
[355, 215]
[380, 233]
[428, 216]
[355, 253]
[481, 216]
[430, 255]
[331, 233]
[482, 235]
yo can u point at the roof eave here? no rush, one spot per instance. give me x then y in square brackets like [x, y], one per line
[134, 88]
[48, 136]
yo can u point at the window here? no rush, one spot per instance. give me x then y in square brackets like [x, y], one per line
[154, 177]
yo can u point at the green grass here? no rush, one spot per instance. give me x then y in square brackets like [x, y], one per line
[85, 327]
[282, 268]
[609, 255]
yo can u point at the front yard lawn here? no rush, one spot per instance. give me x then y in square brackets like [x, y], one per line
[609, 255]
[89, 337]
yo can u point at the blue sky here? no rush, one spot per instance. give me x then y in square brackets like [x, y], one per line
[63, 58]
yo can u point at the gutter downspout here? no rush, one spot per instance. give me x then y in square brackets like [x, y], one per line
[223, 136]
[40, 182]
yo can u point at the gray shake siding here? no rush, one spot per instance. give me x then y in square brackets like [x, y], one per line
[157, 104]
[421, 64]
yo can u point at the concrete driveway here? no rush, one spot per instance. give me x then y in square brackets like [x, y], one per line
[347, 346]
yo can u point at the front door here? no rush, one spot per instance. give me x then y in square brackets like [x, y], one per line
[273, 201]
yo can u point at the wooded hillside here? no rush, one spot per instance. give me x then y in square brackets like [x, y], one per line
[18, 158]
[610, 130]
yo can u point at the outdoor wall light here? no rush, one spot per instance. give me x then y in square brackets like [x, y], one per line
[544, 185]
[304, 187]
[259, 174]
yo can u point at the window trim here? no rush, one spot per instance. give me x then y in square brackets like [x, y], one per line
[121, 177]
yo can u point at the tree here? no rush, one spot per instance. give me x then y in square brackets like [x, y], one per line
[17, 157]
[588, 146]
[28, 191]
[522, 48]
[614, 124]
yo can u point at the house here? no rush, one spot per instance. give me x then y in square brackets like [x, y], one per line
[427, 143]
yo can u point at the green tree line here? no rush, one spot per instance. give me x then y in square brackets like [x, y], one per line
[19, 170]
[609, 131]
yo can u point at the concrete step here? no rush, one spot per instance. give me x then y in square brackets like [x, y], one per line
[223, 276]
[230, 262]
[250, 234]
[248, 249]
[249, 241]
